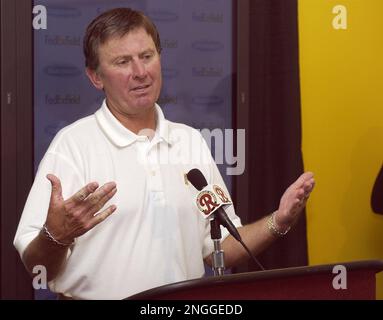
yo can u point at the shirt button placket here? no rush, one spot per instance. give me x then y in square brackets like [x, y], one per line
[155, 177]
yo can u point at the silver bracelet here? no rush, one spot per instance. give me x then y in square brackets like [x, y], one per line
[51, 238]
[273, 228]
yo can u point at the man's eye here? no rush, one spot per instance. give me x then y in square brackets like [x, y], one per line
[122, 62]
[147, 56]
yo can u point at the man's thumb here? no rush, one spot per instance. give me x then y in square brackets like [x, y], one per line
[56, 193]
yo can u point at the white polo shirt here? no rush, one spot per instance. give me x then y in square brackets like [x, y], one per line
[156, 236]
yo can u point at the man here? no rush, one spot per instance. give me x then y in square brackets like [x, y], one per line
[112, 220]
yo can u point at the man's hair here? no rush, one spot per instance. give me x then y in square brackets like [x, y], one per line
[115, 23]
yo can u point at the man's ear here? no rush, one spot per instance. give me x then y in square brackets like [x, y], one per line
[95, 78]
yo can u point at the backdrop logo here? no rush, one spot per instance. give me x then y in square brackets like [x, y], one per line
[207, 45]
[163, 16]
[64, 12]
[169, 73]
[207, 100]
[208, 17]
[61, 40]
[207, 72]
[169, 44]
[62, 70]
[62, 99]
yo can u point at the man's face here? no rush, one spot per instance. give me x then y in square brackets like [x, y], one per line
[129, 72]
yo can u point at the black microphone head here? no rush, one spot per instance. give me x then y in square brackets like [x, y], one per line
[197, 179]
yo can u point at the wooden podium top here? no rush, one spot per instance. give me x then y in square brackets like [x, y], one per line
[306, 282]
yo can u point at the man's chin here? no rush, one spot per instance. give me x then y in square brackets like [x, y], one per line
[145, 104]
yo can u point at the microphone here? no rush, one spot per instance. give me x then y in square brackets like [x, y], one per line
[197, 179]
[199, 182]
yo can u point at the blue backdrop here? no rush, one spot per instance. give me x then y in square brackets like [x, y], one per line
[197, 65]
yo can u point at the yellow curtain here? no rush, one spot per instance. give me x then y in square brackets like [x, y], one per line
[341, 73]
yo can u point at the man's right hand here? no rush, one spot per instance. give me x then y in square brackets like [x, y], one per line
[71, 218]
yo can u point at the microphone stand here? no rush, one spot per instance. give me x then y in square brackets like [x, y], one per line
[217, 255]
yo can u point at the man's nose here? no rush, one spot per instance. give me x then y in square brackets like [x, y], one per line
[138, 69]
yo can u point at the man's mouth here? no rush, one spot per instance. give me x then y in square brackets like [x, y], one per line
[141, 88]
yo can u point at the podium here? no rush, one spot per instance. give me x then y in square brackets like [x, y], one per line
[307, 283]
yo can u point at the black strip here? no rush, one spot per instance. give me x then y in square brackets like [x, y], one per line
[274, 133]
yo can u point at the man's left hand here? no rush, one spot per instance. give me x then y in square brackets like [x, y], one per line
[293, 201]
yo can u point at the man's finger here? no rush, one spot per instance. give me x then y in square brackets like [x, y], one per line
[96, 196]
[307, 187]
[300, 194]
[56, 193]
[84, 192]
[307, 176]
[98, 201]
[101, 216]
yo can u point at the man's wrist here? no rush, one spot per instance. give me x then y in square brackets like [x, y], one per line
[47, 234]
[274, 228]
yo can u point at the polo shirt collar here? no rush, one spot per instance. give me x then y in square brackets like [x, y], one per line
[123, 137]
